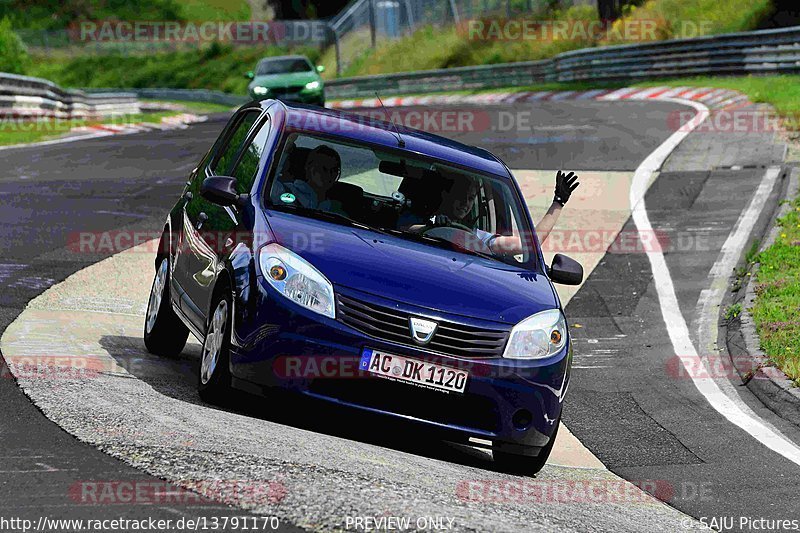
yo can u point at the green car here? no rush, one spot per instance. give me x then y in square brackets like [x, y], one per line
[288, 78]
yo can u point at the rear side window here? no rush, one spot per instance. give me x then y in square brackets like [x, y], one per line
[247, 167]
[227, 154]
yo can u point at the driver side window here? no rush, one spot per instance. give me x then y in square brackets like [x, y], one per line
[225, 158]
[247, 168]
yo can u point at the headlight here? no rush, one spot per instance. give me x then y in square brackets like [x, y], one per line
[297, 279]
[260, 90]
[312, 86]
[537, 337]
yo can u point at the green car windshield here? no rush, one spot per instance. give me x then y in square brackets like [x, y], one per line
[409, 196]
[283, 66]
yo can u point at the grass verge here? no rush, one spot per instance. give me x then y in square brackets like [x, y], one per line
[31, 131]
[217, 67]
[776, 310]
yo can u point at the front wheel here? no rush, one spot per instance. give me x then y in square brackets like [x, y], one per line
[164, 333]
[525, 465]
[215, 378]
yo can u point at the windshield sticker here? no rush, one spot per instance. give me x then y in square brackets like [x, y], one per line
[288, 198]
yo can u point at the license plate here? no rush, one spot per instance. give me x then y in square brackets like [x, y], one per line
[412, 371]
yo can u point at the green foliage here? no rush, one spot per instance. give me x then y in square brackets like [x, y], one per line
[216, 66]
[13, 54]
[777, 307]
[59, 14]
[442, 47]
[733, 311]
[676, 19]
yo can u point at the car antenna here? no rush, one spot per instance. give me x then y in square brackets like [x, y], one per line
[400, 142]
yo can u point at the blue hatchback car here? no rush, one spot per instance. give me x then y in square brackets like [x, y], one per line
[375, 267]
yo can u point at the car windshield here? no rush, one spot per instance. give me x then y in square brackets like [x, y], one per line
[413, 198]
[283, 66]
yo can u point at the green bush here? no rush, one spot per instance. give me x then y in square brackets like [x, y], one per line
[13, 54]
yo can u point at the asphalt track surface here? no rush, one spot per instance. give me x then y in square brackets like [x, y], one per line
[629, 411]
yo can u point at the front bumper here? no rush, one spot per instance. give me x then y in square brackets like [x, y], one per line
[514, 404]
[315, 97]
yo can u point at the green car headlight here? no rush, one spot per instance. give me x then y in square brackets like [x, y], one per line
[313, 85]
[260, 90]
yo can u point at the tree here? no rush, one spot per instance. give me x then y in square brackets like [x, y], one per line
[13, 53]
[306, 9]
[609, 9]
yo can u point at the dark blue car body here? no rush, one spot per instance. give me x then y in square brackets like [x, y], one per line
[509, 405]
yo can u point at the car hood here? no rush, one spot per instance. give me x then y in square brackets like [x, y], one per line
[415, 273]
[292, 79]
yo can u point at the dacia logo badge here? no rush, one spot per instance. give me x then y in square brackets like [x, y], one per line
[422, 330]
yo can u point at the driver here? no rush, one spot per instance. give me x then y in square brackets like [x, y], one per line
[322, 169]
[458, 202]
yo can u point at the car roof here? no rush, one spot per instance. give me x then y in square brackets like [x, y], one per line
[302, 118]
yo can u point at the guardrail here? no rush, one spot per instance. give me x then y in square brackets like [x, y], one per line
[23, 96]
[188, 95]
[757, 52]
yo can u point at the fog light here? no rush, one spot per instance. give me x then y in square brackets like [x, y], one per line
[522, 419]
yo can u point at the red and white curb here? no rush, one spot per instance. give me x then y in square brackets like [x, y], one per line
[95, 131]
[177, 122]
[712, 98]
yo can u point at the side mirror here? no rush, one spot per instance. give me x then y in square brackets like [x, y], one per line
[566, 271]
[249, 75]
[320, 69]
[220, 190]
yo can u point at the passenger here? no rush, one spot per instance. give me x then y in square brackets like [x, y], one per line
[322, 169]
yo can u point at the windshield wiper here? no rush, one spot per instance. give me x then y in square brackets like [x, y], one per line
[441, 242]
[331, 217]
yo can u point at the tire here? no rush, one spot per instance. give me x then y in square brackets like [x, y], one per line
[164, 333]
[525, 465]
[214, 379]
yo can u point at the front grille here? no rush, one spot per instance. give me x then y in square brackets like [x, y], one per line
[287, 91]
[464, 410]
[392, 325]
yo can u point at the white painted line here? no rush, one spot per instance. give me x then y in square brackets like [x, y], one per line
[708, 305]
[670, 310]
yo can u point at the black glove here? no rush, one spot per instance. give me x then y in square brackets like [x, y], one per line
[439, 220]
[565, 184]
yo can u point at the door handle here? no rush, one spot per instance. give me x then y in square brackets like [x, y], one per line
[201, 219]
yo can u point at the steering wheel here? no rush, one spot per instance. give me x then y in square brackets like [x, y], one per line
[461, 236]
